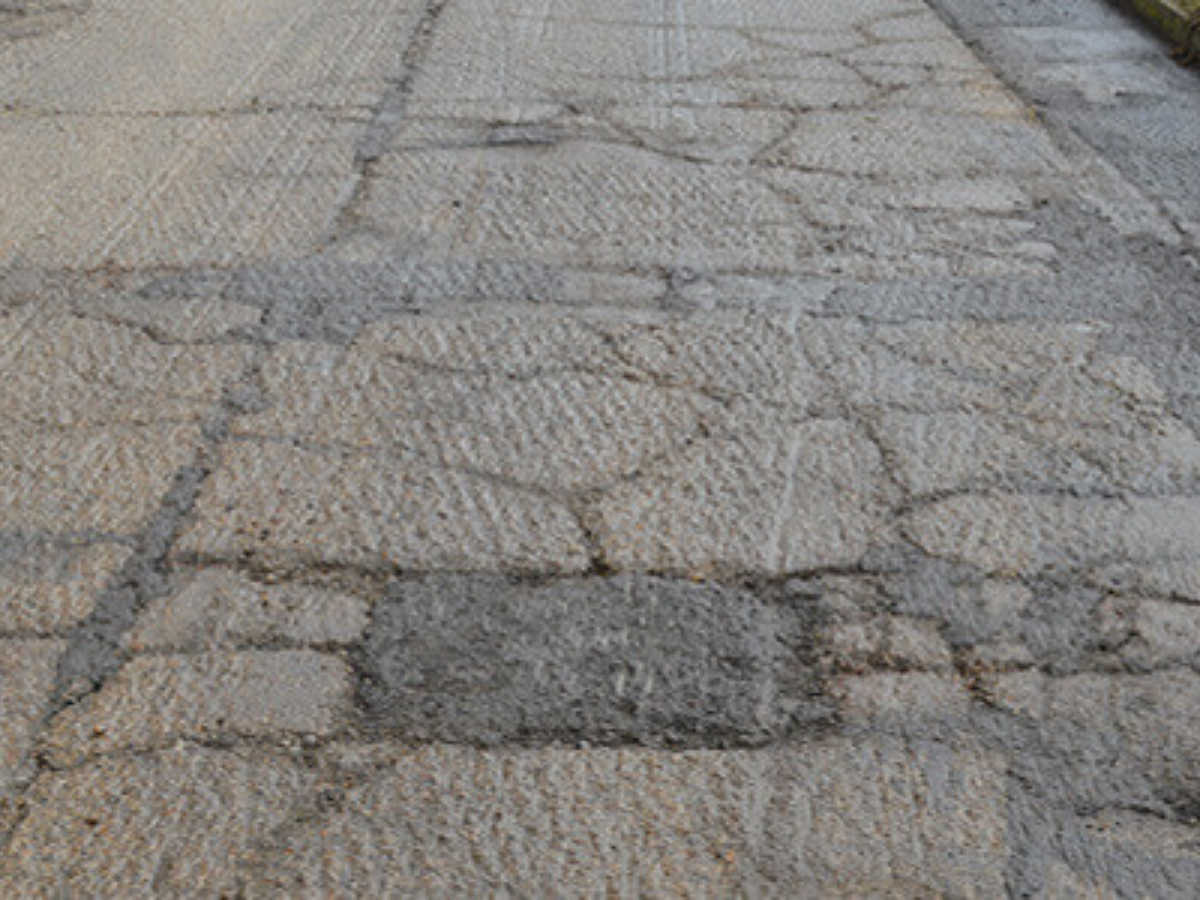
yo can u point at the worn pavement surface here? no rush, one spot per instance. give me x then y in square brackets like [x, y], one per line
[557, 448]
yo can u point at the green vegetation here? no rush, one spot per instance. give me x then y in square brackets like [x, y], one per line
[1175, 19]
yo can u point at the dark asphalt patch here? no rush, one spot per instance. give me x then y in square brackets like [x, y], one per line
[486, 661]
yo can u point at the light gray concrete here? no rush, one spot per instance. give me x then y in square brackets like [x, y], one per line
[662, 447]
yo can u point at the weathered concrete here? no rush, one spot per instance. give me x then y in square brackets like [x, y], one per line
[156, 701]
[174, 823]
[220, 610]
[1101, 82]
[877, 818]
[695, 448]
[26, 681]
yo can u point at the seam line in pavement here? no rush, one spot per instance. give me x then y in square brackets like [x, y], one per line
[386, 119]
[93, 652]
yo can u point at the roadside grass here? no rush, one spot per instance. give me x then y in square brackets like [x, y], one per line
[1189, 51]
[1178, 20]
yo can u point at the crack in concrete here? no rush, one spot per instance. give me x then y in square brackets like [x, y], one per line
[389, 115]
[1047, 766]
[338, 113]
[94, 652]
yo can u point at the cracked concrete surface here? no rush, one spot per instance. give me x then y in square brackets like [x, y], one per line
[685, 447]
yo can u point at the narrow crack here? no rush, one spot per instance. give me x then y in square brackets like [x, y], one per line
[94, 652]
[385, 123]
[334, 112]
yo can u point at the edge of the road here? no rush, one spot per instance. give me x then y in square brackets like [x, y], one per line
[1172, 21]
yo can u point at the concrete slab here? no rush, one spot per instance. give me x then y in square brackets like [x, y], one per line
[688, 448]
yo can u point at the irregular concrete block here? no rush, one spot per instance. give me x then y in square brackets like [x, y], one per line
[99, 418]
[26, 681]
[108, 480]
[286, 507]
[773, 500]
[172, 824]
[860, 644]
[584, 206]
[1010, 534]
[244, 153]
[156, 701]
[902, 696]
[46, 588]
[881, 818]
[837, 818]
[173, 319]
[220, 610]
[62, 371]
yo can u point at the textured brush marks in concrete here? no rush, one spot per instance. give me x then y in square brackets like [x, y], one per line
[739, 447]
[370, 821]
[632, 822]
[683, 448]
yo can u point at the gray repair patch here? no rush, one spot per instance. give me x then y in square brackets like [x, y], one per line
[486, 660]
[332, 300]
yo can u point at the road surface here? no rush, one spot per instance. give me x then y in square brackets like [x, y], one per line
[542, 447]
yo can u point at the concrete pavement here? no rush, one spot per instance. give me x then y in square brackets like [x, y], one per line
[675, 447]
[1102, 86]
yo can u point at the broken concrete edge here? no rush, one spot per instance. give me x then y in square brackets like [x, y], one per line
[1171, 20]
